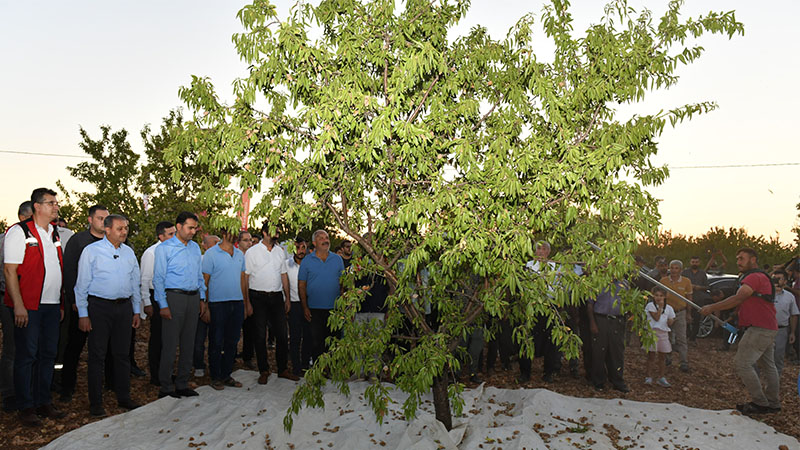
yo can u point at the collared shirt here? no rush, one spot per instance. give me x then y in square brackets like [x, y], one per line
[72, 254]
[608, 302]
[177, 266]
[14, 253]
[265, 267]
[107, 272]
[698, 279]
[225, 274]
[785, 307]
[683, 286]
[322, 279]
[147, 265]
[292, 269]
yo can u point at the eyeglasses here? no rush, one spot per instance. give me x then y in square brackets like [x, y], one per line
[51, 203]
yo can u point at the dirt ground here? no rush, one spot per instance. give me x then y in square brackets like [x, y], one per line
[711, 384]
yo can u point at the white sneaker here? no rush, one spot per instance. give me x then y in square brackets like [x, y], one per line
[648, 380]
[663, 382]
[199, 373]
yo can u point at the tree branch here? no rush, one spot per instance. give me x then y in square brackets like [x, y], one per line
[588, 130]
[416, 111]
[485, 116]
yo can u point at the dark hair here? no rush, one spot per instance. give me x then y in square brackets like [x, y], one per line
[659, 259]
[265, 227]
[38, 194]
[161, 227]
[108, 222]
[96, 208]
[241, 235]
[25, 208]
[659, 289]
[749, 251]
[184, 216]
[781, 272]
[299, 240]
[694, 257]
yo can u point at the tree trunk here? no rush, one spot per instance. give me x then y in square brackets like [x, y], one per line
[441, 403]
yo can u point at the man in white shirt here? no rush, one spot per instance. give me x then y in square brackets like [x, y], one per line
[299, 327]
[542, 332]
[269, 295]
[164, 230]
[33, 272]
[786, 312]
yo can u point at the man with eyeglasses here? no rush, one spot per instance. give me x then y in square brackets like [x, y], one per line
[786, 313]
[33, 272]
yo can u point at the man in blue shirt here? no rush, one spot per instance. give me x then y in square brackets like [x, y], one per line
[108, 278]
[607, 325]
[178, 287]
[228, 304]
[318, 287]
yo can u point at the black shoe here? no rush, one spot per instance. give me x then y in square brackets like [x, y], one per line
[50, 412]
[771, 410]
[128, 404]
[155, 382]
[684, 367]
[172, 394]
[548, 378]
[751, 408]
[137, 372]
[97, 411]
[622, 388]
[29, 418]
[65, 397]
[522, 379]
[599, 387]
[574, 373]
[475, 379]
[186, 392]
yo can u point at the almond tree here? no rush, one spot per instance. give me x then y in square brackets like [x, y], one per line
[446, 159]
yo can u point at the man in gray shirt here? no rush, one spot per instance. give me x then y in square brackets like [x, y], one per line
[786, 312]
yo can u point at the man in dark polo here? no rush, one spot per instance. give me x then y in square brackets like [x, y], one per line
[178, 287]
[607, 325]
[108, 300]
[318, 287]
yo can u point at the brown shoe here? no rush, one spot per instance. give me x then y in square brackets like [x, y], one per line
[29, 418]
[263, 378]
[50, 411]
[288, 375]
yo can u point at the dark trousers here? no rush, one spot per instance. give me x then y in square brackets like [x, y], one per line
[111, 333]
[36, 348]
[319, 331]
[248, 339]
[299, 339]
[226, 321]
[268, 308]
[586, 339]
[608, 350]
[199, 353]
[501, 343]
[544, 346]
[76, 341]
[177, 339]
[7, 357]
[154, 345]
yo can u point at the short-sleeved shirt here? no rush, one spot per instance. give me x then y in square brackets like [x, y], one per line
[755, 311]
[322, 279]
[292, 268]
[683, 286]
[14, 253]
[265, 267]
[698, 278]
[608, 302]
[225, 274]
[785, 307]
[661, 323]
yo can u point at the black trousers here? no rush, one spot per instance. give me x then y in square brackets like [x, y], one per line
[76, 341]
[154, 344]
[111, 333]
[319, 331]
[543, 343]
[269, 309]
[608, 350]
[299, 339]
[502, 344]
[248, 339]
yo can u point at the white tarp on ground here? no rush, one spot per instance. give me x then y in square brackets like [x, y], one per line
[252, 417]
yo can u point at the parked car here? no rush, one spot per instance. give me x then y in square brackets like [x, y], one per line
[728, 285]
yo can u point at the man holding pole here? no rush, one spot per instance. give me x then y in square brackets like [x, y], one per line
[757, 318]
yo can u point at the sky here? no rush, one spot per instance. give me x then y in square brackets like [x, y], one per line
[66, 65]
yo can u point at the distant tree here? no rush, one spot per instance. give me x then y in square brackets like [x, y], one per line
[3, 225]
[446, 160]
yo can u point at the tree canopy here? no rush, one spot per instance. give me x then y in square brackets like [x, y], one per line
[446, 160]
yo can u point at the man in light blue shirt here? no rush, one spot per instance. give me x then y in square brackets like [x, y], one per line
[178, 287]
[107, 296]
[228, 304]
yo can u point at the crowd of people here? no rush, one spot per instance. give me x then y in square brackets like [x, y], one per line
[62, 289]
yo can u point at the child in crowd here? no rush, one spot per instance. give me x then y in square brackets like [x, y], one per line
[660, 315]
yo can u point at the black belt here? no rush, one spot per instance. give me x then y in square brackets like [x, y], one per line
[618, 316]
[112, 300]
[181, 291]
[784, 326]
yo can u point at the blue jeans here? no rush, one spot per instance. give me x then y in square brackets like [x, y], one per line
[199, 353]
[36, 348]
[226, 323]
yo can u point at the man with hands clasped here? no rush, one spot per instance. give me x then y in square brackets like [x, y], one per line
[108, 299]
